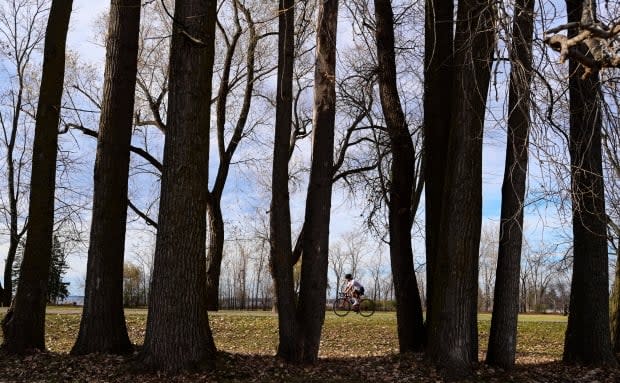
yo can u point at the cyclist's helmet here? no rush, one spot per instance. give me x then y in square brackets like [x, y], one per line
[348, 276]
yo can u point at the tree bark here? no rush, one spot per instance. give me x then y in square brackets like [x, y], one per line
[503, 335]
[588, 338]
[410, 322]
[24, 324]
[178, 335]
[7, 291]
[439, 30]
[102, 326]
[453, 330]
[615, 302]
[311, 310]
[215, 252]
[281, 263]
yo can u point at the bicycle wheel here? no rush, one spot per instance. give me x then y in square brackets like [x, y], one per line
[367, 307]
[342, 307]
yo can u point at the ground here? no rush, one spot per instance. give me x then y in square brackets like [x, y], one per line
[353, 349]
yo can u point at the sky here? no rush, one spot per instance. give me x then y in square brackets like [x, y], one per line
[345, 213]
[82, 39]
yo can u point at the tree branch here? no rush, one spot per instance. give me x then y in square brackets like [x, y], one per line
[142, 215]
[139, 151]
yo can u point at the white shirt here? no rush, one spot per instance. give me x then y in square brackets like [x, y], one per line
[355, 284]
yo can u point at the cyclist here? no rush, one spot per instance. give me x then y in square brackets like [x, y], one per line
[354, 289]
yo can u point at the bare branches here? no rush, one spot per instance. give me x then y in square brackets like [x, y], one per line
[592, 46]
[142, 215]
[139, 151]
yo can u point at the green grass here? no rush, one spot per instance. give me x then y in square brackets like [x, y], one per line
[540, 337]
[353, 349]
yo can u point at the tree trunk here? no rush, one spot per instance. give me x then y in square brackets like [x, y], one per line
[503, 334]
[102, 327]
[410, 322]
[215, 252]
[216, 227]
[588, 338]
[438, 58]
[24, 324]
[280, 216]
[311, 310]
[615, 302]
[453, 330]
[178, 335]
[14, 234]
[7, 292]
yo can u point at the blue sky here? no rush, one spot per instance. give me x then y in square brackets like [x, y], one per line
[345, 212]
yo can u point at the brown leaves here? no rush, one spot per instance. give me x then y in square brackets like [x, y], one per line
[353, 349]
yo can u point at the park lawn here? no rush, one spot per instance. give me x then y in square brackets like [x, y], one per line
[247, 342]
[256, 332]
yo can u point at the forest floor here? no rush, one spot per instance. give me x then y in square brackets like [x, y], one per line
[353, 349]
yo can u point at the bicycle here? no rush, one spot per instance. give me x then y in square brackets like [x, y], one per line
[344, 303]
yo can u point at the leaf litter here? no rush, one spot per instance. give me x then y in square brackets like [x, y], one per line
[353, 349]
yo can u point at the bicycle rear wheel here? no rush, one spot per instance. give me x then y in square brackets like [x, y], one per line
[367, 307]
[342, 307]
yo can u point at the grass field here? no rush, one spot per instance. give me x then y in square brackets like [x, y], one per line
[255, 332]
[247, 342]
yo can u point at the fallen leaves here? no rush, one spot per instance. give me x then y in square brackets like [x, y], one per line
[353, 349]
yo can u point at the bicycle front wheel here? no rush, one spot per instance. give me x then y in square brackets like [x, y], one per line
[367, 307]
[342, 307]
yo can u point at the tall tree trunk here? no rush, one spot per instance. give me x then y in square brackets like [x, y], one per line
[438, 34]
[102, 327]
[588, 338]
[503, 335]
[453, 330]
[280, 260]
[615, 301]
[178, 335]
[311, 310]
[410, 322]
[24, 324]
[215, 252]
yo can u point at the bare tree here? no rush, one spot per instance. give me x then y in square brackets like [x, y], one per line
[22, 31]
[102, 327]
[453, 328]
[375, 267]
[503, 335]
[410, 326]
[589, 41]
[253, 72]
[337, 261]
[438, 67]
[488, 264]
[354, 248]
[587, 335]
[539, 269]
[281, 255]
[24, 324]
[318, 202]
[178, 335]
